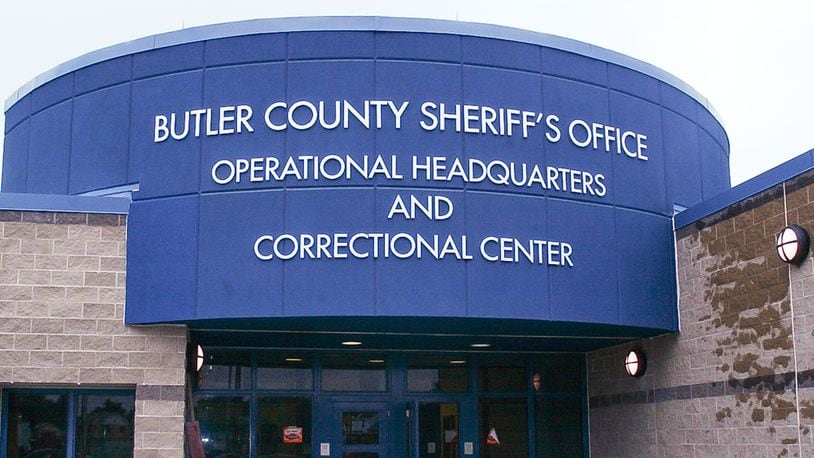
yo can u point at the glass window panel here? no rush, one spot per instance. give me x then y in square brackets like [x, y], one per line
[225, 369]
[559, 427]
[353, 380]
[560, 373]
[36, 425]
[433, 374]
[104, 425]
[354, 373]
[502, 378]
[509, 420]
[283, 427]
[282, 372]
[224, 422]
[360, 428]
[422, 380]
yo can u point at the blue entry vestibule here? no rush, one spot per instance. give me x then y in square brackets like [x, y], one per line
[369, 404]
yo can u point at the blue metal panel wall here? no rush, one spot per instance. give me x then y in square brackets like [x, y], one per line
[190, 239]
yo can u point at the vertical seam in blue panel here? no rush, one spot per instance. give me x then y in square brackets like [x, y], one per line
[669, 180]
[670, 202]
[614, 206]
[70, 135]
[27, 153]
[466, 264]
[130, 137]
[196, 303]
[284, 216]
[698, 115]
[375, 182]
[667, 192]
[375, 261]
[465, 187]
[546, 202]
[129, 120]
[28, 144]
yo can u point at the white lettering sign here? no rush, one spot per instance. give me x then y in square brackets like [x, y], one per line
[531, 176]
[280, 116]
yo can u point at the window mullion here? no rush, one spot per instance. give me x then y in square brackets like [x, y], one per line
[70, 440]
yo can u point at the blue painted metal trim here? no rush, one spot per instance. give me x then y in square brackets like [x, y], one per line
[114, 191]
[756, 185]
[4, 422]
[64, 204]
[357, 23]
[70, 427]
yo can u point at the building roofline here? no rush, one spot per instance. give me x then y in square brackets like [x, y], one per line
[775, 176]
[356, 23]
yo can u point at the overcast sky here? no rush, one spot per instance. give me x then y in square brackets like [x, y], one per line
[753, 60]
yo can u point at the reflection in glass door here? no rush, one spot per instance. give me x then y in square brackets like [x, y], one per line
[363, 430]
[437, 430]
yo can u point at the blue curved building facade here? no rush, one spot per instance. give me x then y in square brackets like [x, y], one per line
[428, 185]
[524, 141]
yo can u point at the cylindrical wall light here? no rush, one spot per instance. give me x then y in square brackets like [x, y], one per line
[635, 363]
[199, 358]
[792, 244]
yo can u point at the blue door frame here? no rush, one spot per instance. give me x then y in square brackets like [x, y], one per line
[399, 423]
[384, 445]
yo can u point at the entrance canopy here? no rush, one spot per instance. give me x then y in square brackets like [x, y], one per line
[413, 334]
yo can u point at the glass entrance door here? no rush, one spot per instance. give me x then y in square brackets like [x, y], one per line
[364, 430]
[438, 430]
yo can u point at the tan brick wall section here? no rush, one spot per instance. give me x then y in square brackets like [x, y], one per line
[800, 204]
[62, 290]
[726, 385]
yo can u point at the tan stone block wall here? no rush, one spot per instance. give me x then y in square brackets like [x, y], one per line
[62, 290]
[158, 431]
[728, 383]
[800, 203]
